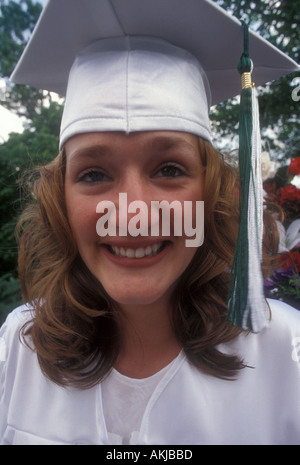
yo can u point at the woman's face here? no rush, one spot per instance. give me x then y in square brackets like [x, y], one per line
[146, 166]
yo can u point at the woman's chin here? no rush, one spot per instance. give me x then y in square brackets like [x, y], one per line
[139, 295]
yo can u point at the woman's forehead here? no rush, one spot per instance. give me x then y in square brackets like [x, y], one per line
[106, 143]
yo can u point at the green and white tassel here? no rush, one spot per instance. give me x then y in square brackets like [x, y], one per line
[247, 304]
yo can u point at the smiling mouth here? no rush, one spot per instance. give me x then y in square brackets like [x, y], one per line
[140, 252]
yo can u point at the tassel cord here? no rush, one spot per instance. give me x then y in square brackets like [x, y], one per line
[247, 302]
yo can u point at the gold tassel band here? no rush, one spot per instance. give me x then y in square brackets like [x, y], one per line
[247, 81]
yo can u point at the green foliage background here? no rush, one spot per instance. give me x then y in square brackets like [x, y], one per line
[277, 21]
[37, 145]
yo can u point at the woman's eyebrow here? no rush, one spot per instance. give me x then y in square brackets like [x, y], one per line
[92, 152]
[170, 142]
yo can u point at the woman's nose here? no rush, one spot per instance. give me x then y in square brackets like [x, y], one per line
[134, 205]
[134, 185]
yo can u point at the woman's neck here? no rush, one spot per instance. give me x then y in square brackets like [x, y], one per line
[149, 343]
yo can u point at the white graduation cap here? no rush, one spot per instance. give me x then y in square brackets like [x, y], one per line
[71, 31]
[134, 65]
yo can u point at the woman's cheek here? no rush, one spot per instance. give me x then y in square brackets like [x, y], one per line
[83, 217]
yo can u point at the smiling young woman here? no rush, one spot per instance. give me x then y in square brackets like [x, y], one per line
[137, 338]
[79, 288]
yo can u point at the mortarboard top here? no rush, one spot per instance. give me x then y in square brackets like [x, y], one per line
[213, 36]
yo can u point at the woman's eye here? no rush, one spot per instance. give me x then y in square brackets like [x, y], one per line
[93, 176]
[170, 171]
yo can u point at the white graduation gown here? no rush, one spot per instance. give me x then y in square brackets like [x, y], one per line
[262, 406]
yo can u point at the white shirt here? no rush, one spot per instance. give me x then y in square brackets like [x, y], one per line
[187, 407]
[124, 403]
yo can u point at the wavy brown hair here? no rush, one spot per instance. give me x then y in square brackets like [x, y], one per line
[76, 329]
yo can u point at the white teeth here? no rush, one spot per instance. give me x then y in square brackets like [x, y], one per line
[136, 253]
[130, 253]
[139, 253]
[148, 250]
